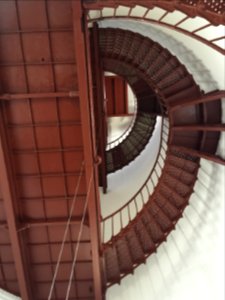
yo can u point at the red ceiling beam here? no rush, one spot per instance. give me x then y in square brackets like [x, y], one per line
[200, 154]
[197, 127]
[9, 196]
[87, 120]
[27, 224]
[38, 95]
[212, 96]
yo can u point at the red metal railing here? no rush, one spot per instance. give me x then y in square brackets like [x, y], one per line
[114, 223]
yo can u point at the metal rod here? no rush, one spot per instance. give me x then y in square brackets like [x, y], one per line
[23, 96]
[210, 127]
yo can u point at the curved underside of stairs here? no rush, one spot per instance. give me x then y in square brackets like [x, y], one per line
[170, 80]
[147, 106]
[133, 144]
[152, 225]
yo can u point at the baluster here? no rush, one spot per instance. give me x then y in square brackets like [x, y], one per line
[163, 150]
[129, 216]
[154, 183]
[121, 220]
[142, 199]
[147, 189]
[112, 224]
[156, 171]
[159, 162]
[136, 206]
[163, 139]
[103, 231]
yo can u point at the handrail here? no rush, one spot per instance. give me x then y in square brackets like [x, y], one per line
[139, 199]
[124, 135]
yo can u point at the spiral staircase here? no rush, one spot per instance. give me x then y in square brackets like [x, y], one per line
[190, 130]
[166, 75]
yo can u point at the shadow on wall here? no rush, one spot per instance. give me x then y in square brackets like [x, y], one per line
[190, 264]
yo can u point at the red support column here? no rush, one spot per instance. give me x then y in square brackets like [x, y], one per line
[196, 127]
[86, 106]
[9, 196]
[100, 115]
[38, 95]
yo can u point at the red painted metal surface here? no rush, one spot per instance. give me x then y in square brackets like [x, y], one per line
[99, 106]
[116, 95]
[9, 195]
[38, 95]
[47, 131]
[85, 87]
[43, 113]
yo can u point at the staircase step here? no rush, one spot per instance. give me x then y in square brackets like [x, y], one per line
[185, 177]
[134, 46]
[134, 246]
[172, 196]
[145, 240]
[153, 228]
[160, 217]
[182, 163]
[175, 184]
[189, 92]
[183, 83]
[165, 70]
[168, 207]
[142, 52]
[119, 39]
[111, 265]
[171, 78]
[150, 57]
[158, 63]
[124, 256]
